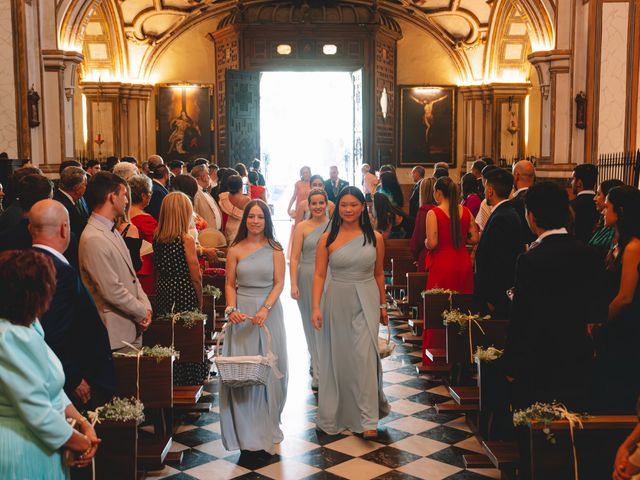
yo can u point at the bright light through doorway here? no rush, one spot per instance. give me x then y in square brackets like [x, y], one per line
[306, 118]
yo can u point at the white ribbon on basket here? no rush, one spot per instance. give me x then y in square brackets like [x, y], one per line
[272, 358]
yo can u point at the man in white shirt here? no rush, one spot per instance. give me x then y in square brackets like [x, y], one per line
[203, 203]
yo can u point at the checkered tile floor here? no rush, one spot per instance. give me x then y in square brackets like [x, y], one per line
[415, 442]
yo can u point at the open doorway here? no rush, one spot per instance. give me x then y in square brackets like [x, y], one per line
[308, 118]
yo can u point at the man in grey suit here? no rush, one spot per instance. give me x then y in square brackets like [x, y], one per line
[106, 266]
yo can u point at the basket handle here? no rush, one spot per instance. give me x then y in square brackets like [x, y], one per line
[266, 330]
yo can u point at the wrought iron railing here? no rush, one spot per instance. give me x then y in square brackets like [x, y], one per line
[623, 166]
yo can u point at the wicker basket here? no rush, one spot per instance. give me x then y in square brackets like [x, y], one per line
[385, 345]
[243, 371]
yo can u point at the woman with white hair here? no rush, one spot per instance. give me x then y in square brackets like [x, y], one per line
[125, 170]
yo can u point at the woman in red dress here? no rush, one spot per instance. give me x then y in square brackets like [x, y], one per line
[140, 196]
[450, 226]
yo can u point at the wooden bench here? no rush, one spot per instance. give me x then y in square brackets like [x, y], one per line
[189, 341]
[596, 444]
[395, 248]
[494, 417]
[504, 456]
[116, 456]
[416, 282]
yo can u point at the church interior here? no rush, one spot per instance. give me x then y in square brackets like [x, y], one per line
[400, 83]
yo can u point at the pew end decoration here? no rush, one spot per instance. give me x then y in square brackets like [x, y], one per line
[547, 413]
[188, 318]
[439, 291]
[462, 319]
[487, 354]
[212, 291]
[158, 352]
[119, 410]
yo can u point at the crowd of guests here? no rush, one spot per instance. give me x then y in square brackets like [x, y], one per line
[82, 258]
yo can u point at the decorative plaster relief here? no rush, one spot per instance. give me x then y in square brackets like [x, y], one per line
[8, 126]
[613, 71]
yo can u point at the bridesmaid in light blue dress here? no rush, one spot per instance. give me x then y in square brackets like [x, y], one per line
[250, 416]
[303, 263]
[350, 392]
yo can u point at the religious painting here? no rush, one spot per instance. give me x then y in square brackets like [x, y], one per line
[427, 125]
[184, 123]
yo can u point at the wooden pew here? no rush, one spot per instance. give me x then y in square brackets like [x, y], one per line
[416, 282]
[395, 248]
[433, 306]
[152, 380]
[116, 456]
[189, 341]
[596, 444]
[494, 417]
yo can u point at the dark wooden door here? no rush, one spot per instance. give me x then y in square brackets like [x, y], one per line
[243, 116]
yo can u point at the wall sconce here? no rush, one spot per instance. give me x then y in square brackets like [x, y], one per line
[384, 103]
[581, 110]
[32, 103]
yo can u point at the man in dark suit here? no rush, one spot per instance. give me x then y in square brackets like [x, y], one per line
[524, 176]
[476, 170]
[334, 185]
[500, 244]
[583, 184]
[160, 177]
[92, 167]
[72, 326]
[417, 174]
[548, 353]
[70, 192]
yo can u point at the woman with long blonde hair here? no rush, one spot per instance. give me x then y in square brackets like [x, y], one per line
[179, 283]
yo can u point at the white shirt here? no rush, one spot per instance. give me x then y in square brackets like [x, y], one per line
[483, 214]
[586, 192]
[515, 194]
[52, 251]
[493, 208]
[555, 231]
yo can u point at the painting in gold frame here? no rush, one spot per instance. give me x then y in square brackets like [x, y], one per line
[184, 127]
[427, 125]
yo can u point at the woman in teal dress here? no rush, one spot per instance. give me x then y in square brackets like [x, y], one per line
[603, 236]
[350, 392]
[33, 406]
[250, 416]
[303, 263]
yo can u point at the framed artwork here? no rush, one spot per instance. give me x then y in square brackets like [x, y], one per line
[427, 125]
[184, 122]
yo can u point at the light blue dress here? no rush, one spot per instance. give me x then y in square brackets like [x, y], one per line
[350, 393]
[250, 416]
[306, 267]
[33, 427]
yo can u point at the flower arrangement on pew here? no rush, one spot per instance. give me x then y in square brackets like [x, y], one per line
[439, 291]
[119, 410]
[157, 351]
[188, 318]
[463, 319]
[490, 354]
[212, 291]
[547, 413]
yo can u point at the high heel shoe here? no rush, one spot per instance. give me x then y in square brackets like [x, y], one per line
[370, 434]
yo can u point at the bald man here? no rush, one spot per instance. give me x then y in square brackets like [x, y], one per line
[524, 176]
[155, 161]
[72, 326]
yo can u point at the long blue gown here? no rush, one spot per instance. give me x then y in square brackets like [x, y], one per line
[350, 393]
[306, 268]
[250, 416]
[33, 427]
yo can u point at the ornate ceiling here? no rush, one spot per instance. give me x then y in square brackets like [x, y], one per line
[464, 27]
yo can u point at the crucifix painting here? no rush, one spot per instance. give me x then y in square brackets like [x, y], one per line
[184, 122]
[426, 125]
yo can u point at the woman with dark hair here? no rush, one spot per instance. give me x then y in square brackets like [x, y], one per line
[256, 191]
[449, 227]
[34, 431]
[470, 197]
[390, 186]
[241, 169]
[617, 341]
[185, 184]
[232, 203]
[303, 262]
[223, 175]
[350, 391]
[250, 416]
[302, 211]
[427, 202]
[603, 235]
[390, 221]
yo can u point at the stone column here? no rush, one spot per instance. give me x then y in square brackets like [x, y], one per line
[57, 105]
[554, 72]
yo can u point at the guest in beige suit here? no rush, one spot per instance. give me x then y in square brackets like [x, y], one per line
[203, 203]
[106, 266]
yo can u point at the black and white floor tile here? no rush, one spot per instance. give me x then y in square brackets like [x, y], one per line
[415, 442]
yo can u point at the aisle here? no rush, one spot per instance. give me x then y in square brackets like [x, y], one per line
[414, 443]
